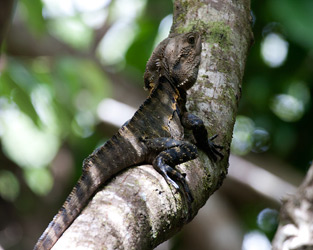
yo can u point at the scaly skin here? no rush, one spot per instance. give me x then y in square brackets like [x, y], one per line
[155, 134]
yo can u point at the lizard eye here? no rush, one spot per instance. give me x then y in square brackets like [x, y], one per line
[191, 40]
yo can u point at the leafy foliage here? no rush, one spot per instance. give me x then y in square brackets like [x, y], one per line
[56, 72]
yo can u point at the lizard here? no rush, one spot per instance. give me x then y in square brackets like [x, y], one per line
[154, 135]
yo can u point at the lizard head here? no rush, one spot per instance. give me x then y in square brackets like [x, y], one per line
[177, 59]
[182, 56]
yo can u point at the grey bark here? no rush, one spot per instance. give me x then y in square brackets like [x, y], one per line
[295, 229]
[138, 209]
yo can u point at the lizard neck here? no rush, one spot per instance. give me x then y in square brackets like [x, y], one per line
[169, 83]
[168, 87]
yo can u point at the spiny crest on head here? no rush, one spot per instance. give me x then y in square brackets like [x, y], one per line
[153, 65]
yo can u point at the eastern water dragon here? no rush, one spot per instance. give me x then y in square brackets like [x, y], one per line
[155, 134]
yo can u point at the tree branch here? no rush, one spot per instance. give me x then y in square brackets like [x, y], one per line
[6, 11]
[138, 209]
[295, 229]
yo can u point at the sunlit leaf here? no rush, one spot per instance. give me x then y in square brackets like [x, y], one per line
[148, 24]
[81, 83]
[24, 143]
[80, 87]
[21, 75]
[242, 136]
[94, 79]
[287, 107]
[139, 51]
[67, 79]
[19, 95]
[114, 45]
[33, 13]
[274, 50]
[39, 180]
[73, 31]
[300, 91]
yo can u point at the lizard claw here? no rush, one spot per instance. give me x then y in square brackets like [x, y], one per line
[212, 151]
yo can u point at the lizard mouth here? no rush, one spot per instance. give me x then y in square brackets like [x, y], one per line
[187, 83]
[182, 83]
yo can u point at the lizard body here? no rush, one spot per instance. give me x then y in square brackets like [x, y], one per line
[155, 134]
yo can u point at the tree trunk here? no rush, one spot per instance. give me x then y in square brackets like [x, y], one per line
[138, 209]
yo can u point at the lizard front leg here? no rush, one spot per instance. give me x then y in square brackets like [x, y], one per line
[200, 134]
[171, 152]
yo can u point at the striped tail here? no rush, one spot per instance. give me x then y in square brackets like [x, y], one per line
[100, 166]
[74, 204]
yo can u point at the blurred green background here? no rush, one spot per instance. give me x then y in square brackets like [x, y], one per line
[63, 60]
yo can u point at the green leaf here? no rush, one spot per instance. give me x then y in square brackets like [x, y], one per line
[33, 13]
[39, 180]
[21, 75]
[19, 95]
[75, 76]
[73, 31]
[297, 18]
[80, 85]
[138, 53]
[9, 185]
[24, 103]
[148, 24]
[94, 79]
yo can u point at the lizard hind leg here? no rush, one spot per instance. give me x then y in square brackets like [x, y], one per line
[165, 163]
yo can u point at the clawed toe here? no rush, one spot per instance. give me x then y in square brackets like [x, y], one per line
[213, 137]
[212, 151]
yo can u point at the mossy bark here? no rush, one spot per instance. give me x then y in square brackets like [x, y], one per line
[138, 209]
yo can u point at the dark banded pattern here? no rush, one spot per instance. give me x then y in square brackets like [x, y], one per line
[123, 150]
[155, 134]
